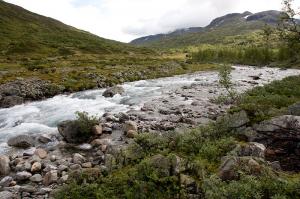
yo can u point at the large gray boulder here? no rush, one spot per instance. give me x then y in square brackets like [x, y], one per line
[4, 165]
[70, 131]
[21, 141]
[110, 92]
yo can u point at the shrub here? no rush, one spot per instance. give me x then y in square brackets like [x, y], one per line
[85, 123]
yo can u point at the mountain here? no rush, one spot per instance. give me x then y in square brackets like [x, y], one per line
[25, 33]
[216, 32]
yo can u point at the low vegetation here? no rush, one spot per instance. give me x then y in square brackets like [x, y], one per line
[149, 167]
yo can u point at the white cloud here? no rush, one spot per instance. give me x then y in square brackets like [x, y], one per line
[125, 20]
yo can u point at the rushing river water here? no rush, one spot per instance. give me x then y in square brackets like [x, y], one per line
[43, 116]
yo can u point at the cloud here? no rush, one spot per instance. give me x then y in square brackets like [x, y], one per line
[125, 20]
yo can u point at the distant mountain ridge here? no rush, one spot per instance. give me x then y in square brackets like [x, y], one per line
[228, 25]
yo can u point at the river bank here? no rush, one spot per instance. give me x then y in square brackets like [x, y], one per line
[161, 105]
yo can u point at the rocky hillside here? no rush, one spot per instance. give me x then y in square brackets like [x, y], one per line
[27, 34]
[216, 32]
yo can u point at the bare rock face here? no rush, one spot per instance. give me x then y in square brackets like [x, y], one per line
[4, 165]
[110, 92]
[97, 130]
[21, 141]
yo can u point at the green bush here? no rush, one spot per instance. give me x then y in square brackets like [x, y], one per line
[85, 123]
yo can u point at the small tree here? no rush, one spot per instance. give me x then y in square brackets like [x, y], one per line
[225, 82]
[289, 29]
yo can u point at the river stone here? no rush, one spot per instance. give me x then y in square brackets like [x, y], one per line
[41, 153]
[78, 159]
[36, 178]
[44, 138]
[24, 175]
[130, 126]
[6, 181]
[50, 178]
[6, 195]
[36, 167]
[21, 141]
[110, 92]
[4, 165]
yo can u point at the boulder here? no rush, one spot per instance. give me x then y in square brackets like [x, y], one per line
[6, 181]
[227, 169]
[253, 149]
[36, 167]
[232, 166]
[237, 120]
[4, 165]
[78, 159]
[110, 92]
[36, 178]
[50, 178]
[41, 153]
[21, 141]
[281, 136]
[6, 195]
[161, 164]
[123, 117]
[130, 126]
[70, 131]
[45, 138]
[24, 175]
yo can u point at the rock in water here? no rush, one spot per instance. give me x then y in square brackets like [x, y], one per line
[4, 165]
[110, 92]
[21, 141]
[70, 131]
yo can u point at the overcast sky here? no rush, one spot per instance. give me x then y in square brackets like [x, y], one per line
[124, 20]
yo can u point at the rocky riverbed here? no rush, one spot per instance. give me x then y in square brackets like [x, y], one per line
[37, 159]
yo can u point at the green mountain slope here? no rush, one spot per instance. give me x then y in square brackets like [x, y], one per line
[23, 32]
[216, 32]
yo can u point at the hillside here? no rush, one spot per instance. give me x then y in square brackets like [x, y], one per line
[217, 31]
[26, 33]
[37, 51]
